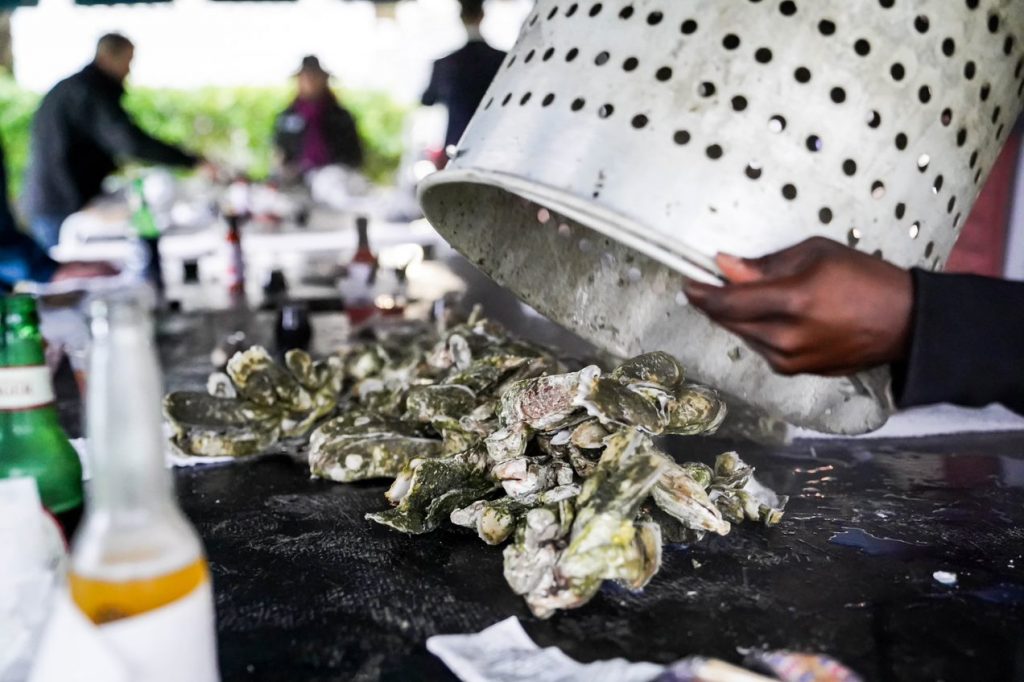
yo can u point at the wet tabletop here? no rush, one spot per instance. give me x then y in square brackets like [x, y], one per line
[307, 589]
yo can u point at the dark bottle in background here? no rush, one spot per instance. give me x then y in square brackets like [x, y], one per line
[293, 329]
[361, 276]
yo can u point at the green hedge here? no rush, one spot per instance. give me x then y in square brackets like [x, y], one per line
[229, 124]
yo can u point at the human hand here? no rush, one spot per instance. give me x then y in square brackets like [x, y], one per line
[84, 270]
[817, 307]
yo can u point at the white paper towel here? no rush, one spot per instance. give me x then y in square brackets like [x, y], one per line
[175, 643]
[505, 653]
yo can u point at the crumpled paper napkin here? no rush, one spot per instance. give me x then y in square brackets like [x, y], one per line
[505, 653]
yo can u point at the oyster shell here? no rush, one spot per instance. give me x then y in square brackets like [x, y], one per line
[546, 403]
[435, 489]
[683, 498]
[602, 543]
[362, 457]
[356, 423]
[658, 368]
[495, 520]
[260, 380]
[738, 495]
[589, 435]
[209, 426]
[695, 410]
[618, 405]
[440, 405]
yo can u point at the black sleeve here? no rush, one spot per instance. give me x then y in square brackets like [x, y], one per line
[350, 147]
[20, 257]
[967, 344]
[113, 130]
[432, 95]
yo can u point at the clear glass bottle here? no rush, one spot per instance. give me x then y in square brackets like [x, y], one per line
[135, 552]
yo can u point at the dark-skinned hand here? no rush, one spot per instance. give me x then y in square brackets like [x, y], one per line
[817, 307]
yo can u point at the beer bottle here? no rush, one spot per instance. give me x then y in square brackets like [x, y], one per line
[32, 442]
[136, 558]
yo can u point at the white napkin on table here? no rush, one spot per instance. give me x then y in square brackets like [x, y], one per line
[505, 653]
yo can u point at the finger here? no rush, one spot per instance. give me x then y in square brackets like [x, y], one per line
[737, 270]
[791, 260]
[740, 302]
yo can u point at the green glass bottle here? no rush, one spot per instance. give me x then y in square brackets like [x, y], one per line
[32, 442]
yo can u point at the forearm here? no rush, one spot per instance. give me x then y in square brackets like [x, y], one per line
[967, 343]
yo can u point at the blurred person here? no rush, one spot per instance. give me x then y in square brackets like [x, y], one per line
[79, 135]
[460, 79]
[316, 131]
[22, 259]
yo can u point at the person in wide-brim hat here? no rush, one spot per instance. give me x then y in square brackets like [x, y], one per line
[316, 130]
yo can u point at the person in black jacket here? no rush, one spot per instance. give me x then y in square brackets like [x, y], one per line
[22, 259]
[79, 134]
[820, 307]
[315, 130]
[460, 79]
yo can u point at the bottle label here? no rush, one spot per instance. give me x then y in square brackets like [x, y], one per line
[25, 388]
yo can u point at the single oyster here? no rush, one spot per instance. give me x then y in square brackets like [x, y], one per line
[260, 380]
[479, 377]
[508, 443]
[589, 435]
[436, 488]
[365, 362]
[613, 403]
[484, 374]
[358, 458]
[683, 498]
[658, 368]
[673, 531]
[542, 365]
[731, 472]
[359, 423]
[545, 403]
[647, 544]
[324, 375]
[216, 427]
[440, 405]
[695, 410]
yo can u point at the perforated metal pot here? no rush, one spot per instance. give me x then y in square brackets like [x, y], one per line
[625, 143]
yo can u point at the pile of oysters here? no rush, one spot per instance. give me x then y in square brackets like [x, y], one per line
[496, 435]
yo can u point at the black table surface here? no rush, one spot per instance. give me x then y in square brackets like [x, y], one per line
[307, 589]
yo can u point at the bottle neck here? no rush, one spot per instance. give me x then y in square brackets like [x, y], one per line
[26, 389]
[363, 230]
[123, 418]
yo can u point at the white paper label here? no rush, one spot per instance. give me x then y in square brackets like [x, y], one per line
[25, 388]
[175, 643]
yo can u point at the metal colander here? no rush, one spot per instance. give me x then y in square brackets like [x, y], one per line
[624, 143]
